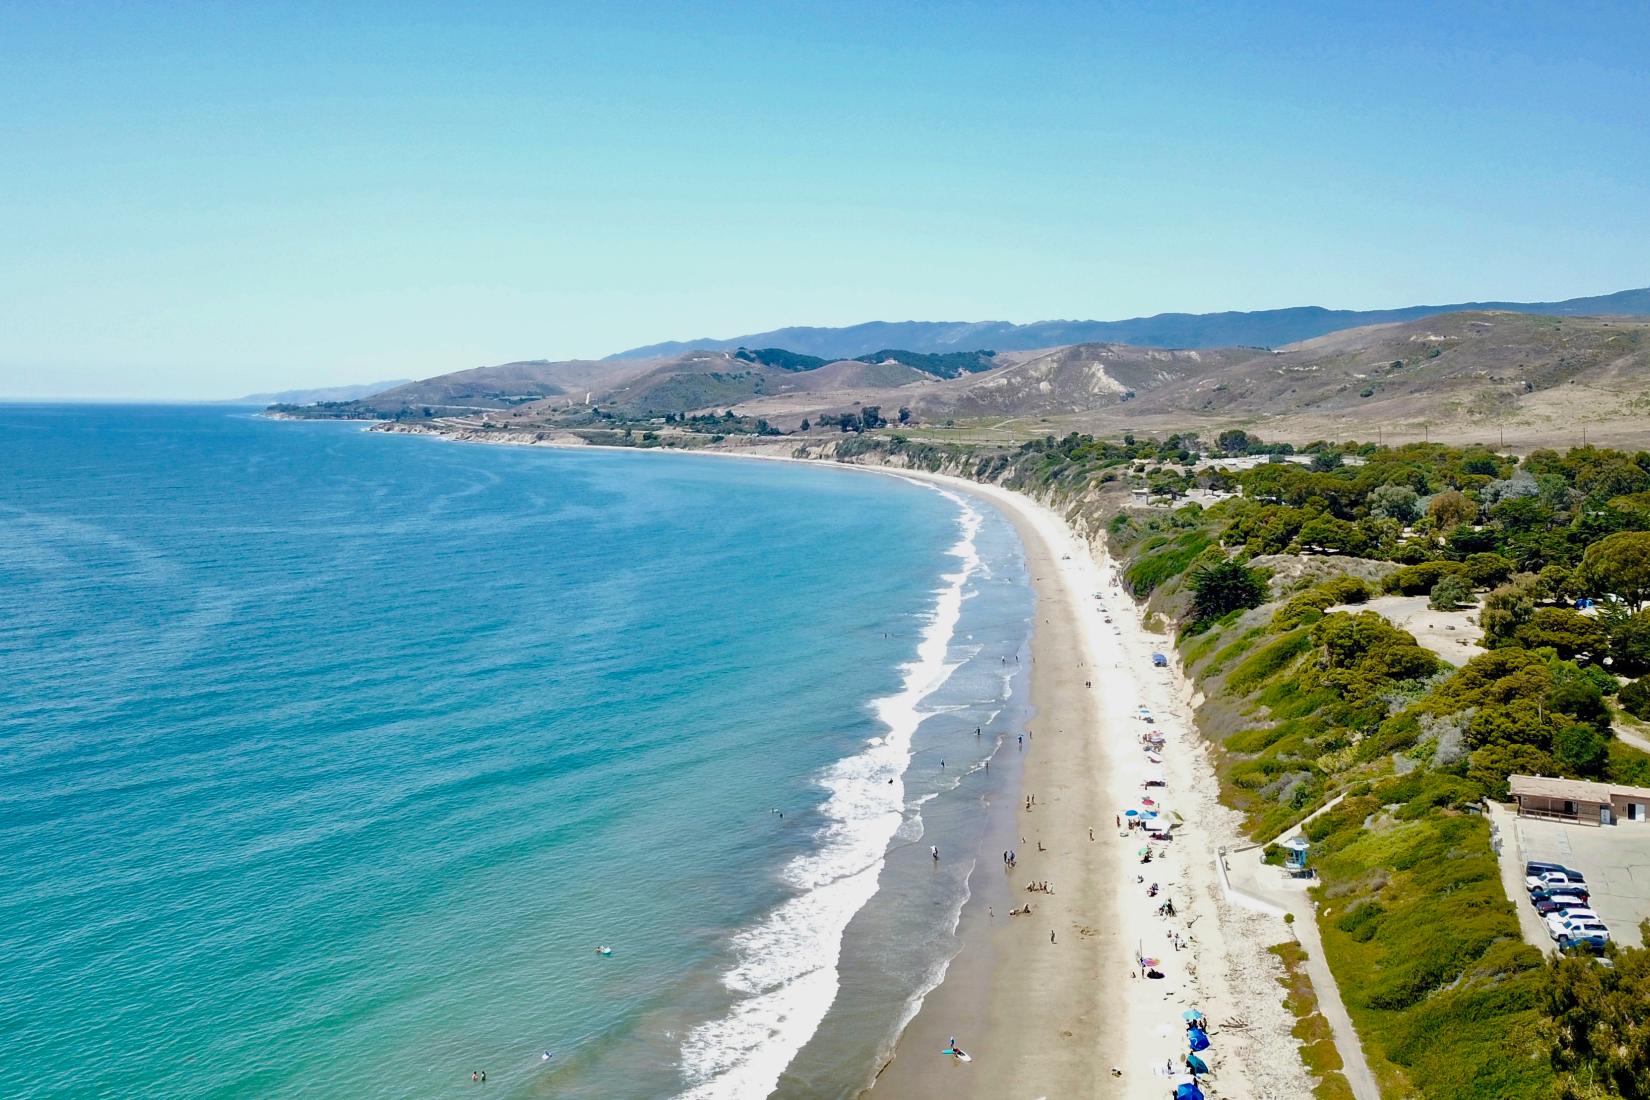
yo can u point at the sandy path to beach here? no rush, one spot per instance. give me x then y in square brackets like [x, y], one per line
[1053, 1019]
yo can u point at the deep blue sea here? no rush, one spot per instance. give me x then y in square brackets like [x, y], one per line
[328, 758]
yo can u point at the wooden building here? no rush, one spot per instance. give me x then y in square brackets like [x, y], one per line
[1579, 800]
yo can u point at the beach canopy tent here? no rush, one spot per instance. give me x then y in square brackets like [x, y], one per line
[1155, 778]
[1188, 1091]
[1197, 1038]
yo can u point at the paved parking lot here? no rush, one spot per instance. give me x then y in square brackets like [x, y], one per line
[1614, 858]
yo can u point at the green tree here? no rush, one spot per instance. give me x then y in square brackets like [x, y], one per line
[1450, 593]
[1227, 585]
[1234, 442]
[805, 424]
[1490, 765]
[1449, 510]
[1581, 751]
[1398, 502]
[1569, 632]
[1620, 565]
[1506, 609]
[1594, 1023]
[1630, 644]
[1635, 698]
[1487, 570]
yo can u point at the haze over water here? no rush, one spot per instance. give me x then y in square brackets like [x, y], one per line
[327, 758]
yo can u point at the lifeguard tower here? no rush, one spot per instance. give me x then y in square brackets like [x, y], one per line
[1294, 857]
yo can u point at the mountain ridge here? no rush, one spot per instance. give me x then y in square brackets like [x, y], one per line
[1255, 328]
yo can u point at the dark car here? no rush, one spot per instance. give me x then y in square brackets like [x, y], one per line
[1534, 867]
[1541, 895]
[1558, 902]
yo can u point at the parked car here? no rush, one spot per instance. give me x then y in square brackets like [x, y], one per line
[1558, 903]
[1534, 867]
[1581, 930]
[1575, 922]
[1591, 944]
[1551, 878]
[1544, 892]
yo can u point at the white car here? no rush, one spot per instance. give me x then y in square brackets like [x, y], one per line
[1551, 878]
[1581, 929]
[1558, 923]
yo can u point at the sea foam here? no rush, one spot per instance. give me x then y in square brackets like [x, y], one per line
[785, 977]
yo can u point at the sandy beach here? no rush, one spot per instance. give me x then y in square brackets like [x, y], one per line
[1053, 1004]
[1053, 1017]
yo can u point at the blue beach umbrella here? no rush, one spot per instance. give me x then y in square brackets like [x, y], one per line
[1196, 1064]
[1191, 1015]
[1198, 1038]
[1188, 1091]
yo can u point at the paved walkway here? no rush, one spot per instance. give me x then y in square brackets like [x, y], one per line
[1249, 875]
[1630, 737]
[1510, 855]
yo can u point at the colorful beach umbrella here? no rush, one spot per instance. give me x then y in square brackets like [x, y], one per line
[1188, 1091]
[1197, 1038]
[1191, 1015]
[1196, 1064]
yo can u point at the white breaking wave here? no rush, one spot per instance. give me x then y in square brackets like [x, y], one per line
[786, 977]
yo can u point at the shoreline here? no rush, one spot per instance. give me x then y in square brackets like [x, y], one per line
[1057, 1019]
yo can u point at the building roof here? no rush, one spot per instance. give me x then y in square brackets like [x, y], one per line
[1576, 790]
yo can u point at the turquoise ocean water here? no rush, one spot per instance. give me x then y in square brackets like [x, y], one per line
[328, 758]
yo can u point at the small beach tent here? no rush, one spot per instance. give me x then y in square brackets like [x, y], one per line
[1196, 1064]
[1197, 1039]
[1159, 661]
[1155, 778]
[1188, 1091]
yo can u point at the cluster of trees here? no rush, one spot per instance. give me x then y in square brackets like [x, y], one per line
[1594, 1019]
[867, 418]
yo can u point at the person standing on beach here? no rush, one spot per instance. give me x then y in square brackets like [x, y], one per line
[1051, 935]
[934, 851]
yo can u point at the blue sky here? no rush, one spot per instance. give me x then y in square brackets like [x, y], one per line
[200, 200]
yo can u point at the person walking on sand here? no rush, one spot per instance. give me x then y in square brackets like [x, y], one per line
[1051, 935]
